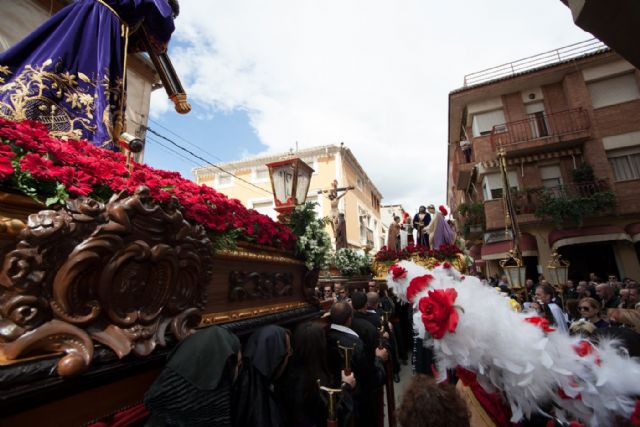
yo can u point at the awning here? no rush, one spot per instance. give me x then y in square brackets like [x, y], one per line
[576, 236]
[500, 250]
[633, 230]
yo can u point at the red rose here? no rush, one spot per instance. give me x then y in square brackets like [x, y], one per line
[398, 272]
[540, 322]
[438, 312]
[417, 285]
[635, 417]
[446, 265]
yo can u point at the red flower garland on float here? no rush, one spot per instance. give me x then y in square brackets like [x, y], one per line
[36, 164]
[439, 314]
[417, 285]
[397, 272]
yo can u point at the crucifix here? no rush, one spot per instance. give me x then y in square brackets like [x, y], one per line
[337, 220]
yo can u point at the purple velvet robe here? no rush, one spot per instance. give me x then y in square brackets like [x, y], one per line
[68, 73]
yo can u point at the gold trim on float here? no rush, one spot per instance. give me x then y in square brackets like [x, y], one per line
[257, 256]
[247, 313]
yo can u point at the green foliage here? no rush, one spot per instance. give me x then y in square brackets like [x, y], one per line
[574, 209]
[313, 243]
[473, 214]
[583, 173]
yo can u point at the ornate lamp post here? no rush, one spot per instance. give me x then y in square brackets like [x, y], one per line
[513, 266]
[290, 181]
[558, 273]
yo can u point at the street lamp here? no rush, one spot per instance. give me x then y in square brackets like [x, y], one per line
[558, 272]
[513, 266]
[290, 179]
[515, 270]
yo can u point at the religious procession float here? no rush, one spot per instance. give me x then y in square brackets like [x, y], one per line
[106, 263]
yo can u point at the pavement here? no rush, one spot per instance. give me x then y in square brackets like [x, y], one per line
[406, 374]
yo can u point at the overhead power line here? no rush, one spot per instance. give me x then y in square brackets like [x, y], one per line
[191, 153]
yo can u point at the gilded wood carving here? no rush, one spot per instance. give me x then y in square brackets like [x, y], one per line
[120, 274]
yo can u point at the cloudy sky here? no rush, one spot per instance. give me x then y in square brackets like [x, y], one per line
[374, 74]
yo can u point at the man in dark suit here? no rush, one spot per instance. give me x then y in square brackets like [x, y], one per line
[376, 377]
[362, 359]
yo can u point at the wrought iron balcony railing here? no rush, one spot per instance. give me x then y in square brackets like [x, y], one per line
[542, 126]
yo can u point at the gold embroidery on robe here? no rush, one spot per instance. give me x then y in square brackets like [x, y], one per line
[54, 98]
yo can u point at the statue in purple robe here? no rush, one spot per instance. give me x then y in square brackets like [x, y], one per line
[70, 72]
[440, 231]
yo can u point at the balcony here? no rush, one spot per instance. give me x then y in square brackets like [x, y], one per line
[566, 203]
[543, 132]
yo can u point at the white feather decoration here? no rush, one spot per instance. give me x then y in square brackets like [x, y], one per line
[531, 368]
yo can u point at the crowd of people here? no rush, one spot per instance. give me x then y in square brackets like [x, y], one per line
[586, 307]
[357, 349]
[275, 378]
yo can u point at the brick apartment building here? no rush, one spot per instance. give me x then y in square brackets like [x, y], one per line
[569, 122]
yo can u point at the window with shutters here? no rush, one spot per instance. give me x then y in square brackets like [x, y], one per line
[614, 90]
[483, 123]
[625, 163]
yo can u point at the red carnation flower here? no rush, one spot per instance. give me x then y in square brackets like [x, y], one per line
[398, 272]
[76, 181]
[39, 167]
[6, 167]
[439, 315]
[417, 285]
[540, 322]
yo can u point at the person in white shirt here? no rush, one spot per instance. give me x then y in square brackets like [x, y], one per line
[544, 295]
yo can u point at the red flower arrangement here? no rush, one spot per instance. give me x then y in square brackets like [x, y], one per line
[540, 322]
[439, 315]
[34, 163]
[417, 285]
[397, 272]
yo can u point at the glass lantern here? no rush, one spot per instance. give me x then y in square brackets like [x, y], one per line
[290, 180]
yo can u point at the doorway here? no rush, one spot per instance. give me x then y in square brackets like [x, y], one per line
[586, 258]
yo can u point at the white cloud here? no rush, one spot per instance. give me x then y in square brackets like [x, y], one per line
[374, 74]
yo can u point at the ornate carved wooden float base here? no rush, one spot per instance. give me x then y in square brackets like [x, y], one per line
[101, 292]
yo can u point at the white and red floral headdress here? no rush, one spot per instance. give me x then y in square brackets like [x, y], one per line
[471, 326]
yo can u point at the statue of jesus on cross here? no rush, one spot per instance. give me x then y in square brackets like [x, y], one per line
[336, 224]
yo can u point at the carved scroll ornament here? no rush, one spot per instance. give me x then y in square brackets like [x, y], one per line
[119, 274]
